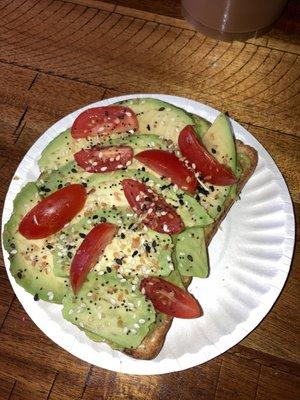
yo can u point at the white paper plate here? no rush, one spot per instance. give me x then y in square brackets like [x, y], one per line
[249, 257]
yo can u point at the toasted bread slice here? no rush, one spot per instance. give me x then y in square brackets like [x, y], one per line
[153, 342]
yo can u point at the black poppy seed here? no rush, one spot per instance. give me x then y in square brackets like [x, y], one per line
[95, 216]
[122, 235]
[36, 297]
[161, 109]
[213, 151]
[49, 246]
[148, 127]
[190, 257]
[82, 235]
[219, 208]
[19, 275]
[69, 254]
[108, 269]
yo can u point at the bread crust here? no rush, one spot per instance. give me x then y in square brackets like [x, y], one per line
[153, 342]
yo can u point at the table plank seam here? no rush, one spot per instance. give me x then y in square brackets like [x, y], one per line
[258, 379]
[55, 376]
[50, 73]
[20, 127]
[7, 312]
[12, 389]
[218, 380]
[87, 381]
[33, 81]
[269, 129]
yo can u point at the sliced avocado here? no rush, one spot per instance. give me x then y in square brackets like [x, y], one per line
[31, 261]
[190, 253]
[111, 308]
[109, 194]
[134, 252]
[191, 212]
[201, 125]
[219, 141]
[158, 117]
[62, 148]
[57, 152]
[175, 277]
[97, 338]
[213, 199]
[141, 142]
[52, 180]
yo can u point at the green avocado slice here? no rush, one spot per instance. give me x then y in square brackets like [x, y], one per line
[190, 253]
[111, 308]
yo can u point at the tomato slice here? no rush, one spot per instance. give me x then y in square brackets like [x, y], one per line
[203, 162]
[158, 214]
[52, 213]
[89, 252]
[170, 299]
[104, 159]
[170, 166]
[104, 120]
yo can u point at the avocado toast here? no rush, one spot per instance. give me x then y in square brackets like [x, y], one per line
[110, 306]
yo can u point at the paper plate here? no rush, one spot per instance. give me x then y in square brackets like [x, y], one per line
[250, 257]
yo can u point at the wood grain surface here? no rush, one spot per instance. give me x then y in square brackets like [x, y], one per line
[58, 55]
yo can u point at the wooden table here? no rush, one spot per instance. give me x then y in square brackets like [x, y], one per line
[58, 55]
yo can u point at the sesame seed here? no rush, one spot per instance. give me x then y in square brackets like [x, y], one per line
[50, 295]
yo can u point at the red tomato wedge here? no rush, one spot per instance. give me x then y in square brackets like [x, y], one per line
[104, 159]
[168, 165]
[104, 120]
[170, 299]
[53, 213]
[90, 251]
[204, 163]
[159, 215]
